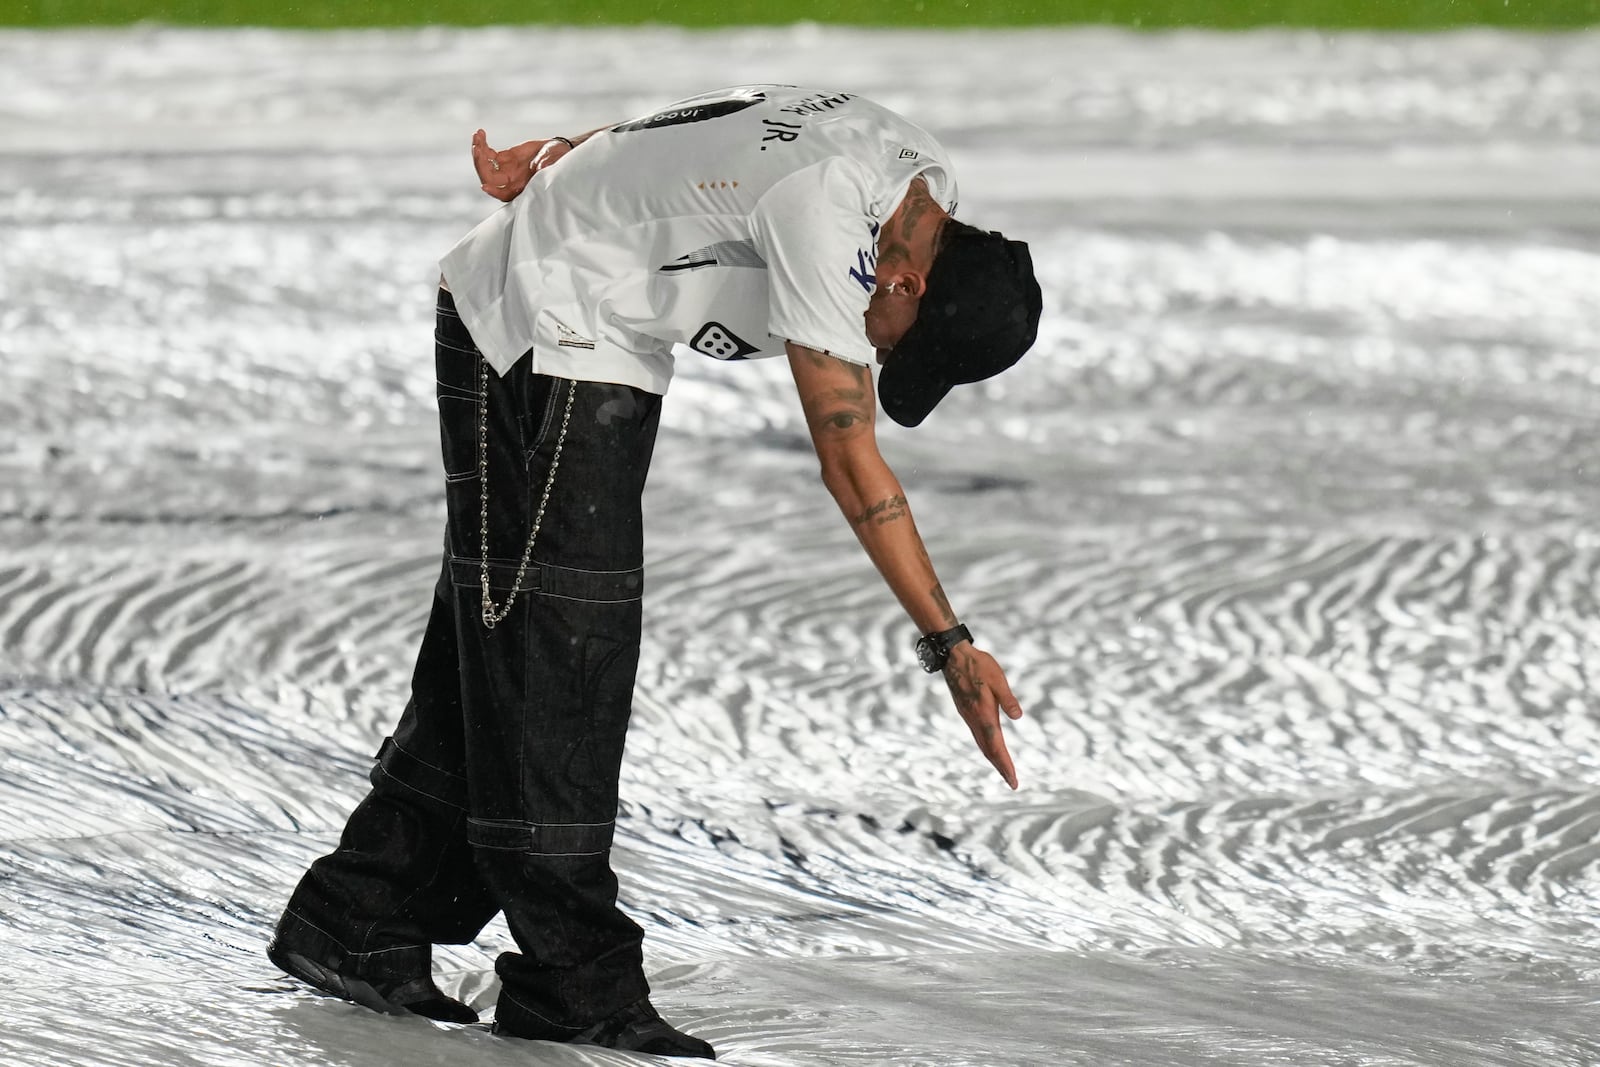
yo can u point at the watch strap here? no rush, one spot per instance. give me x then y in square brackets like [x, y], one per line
[948, 639]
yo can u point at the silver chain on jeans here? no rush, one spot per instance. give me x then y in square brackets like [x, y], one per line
[492, 615]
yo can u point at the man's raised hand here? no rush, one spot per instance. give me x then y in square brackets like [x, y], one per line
[980, 690]
[504, 174]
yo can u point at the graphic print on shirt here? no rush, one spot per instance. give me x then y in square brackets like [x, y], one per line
[789, 132]
[783, 132]
[722, 254]
[696, 110]
[865, 270]
[817, 104]
[719, 342]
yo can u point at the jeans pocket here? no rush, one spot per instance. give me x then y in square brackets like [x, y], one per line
[536, 410]
[458, 434]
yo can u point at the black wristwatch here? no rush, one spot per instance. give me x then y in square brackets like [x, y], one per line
[933, 650]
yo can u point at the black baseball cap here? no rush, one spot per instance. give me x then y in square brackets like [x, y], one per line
[978, 315]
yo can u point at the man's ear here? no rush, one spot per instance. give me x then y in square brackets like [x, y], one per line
[906, 282]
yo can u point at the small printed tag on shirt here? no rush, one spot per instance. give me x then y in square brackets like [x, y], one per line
[567, 337]
[908, 153]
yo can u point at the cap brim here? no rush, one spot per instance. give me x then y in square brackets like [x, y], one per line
[908, 398]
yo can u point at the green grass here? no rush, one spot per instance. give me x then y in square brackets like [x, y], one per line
[1153, 14]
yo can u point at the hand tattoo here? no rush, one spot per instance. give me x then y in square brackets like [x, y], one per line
[966, 688]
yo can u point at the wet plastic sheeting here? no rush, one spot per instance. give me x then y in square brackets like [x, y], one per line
[1285, 534]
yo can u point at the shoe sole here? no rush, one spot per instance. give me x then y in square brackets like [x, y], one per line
[320, 978]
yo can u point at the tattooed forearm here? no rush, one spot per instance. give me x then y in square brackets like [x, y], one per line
[943, 603]
[884, 511]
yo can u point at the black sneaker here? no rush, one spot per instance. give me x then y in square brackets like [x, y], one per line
[415, 995]
[637, 1028]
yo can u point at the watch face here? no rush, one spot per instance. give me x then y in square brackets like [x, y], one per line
[928, 654]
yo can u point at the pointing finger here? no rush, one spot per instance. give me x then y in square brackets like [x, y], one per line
[1002, 761]
[992, 743]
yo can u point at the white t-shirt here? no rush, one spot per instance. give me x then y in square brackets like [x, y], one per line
[726, 224]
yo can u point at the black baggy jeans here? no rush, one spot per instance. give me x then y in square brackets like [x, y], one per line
[498, 789]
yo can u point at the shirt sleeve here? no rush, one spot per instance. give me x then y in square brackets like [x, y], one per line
[816, 232]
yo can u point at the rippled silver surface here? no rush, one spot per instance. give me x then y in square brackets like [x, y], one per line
[1286, 535]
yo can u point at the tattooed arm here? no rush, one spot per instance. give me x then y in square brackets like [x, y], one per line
[841, 408]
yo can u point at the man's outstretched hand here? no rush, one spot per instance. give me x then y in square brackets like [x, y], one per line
[981, 692]
[504, 174]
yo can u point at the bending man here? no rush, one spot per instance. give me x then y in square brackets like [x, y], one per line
[743, 223]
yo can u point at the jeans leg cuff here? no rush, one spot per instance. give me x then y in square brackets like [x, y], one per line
[542, 839]
[302, 937]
